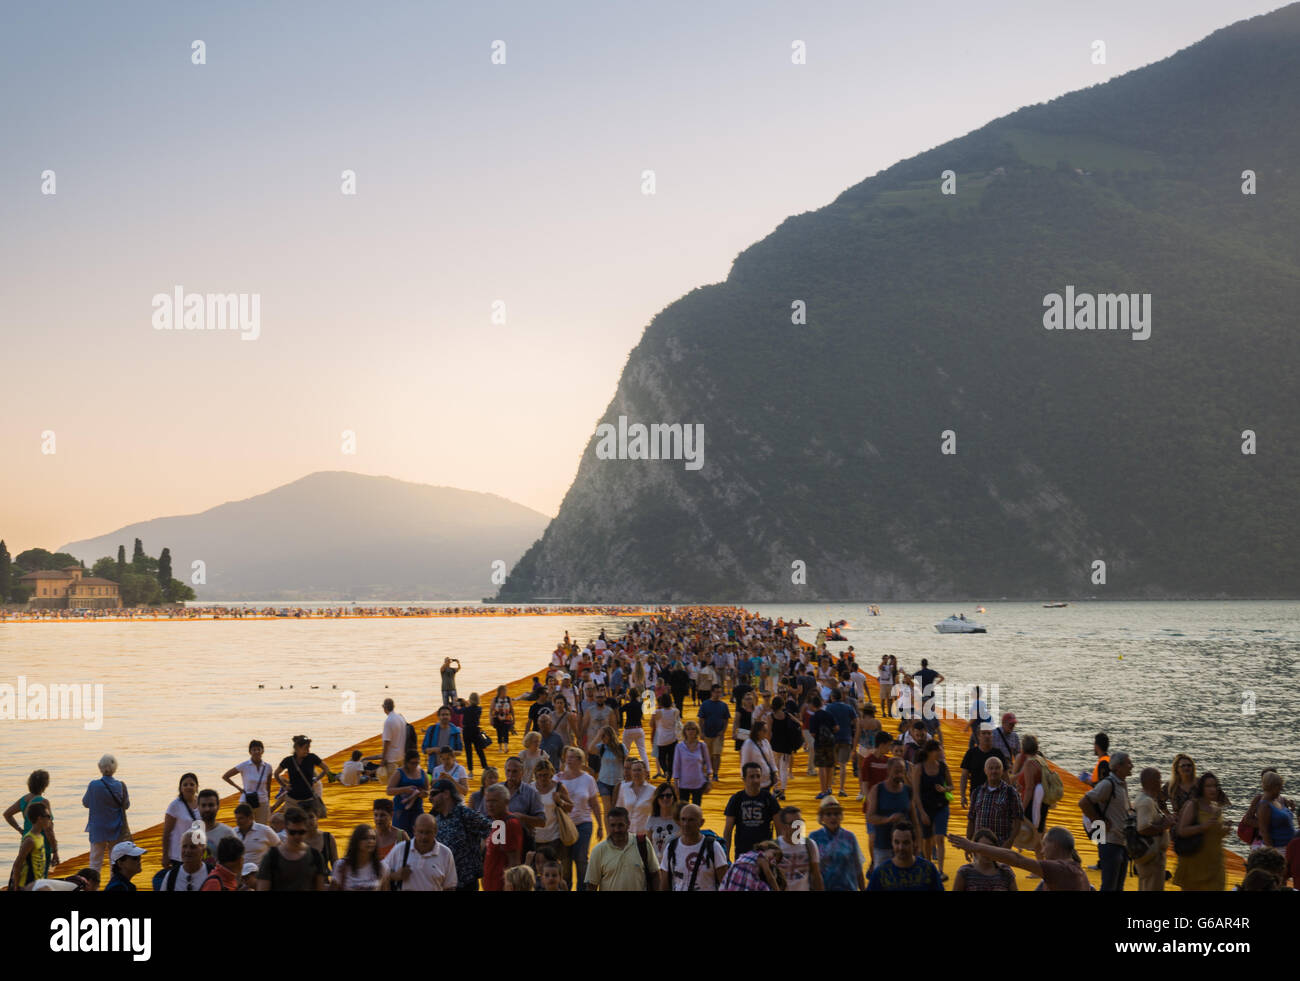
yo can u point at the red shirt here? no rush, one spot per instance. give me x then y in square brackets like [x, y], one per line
[221, 880]
[874, 769]
[494, 862]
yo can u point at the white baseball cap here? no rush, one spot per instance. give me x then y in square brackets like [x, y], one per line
[124, 848]
[248, 867]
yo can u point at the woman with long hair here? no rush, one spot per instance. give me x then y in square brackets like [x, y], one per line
[503, 718]
[611, 754]
[692, 771]
[580, 784]
[931, 782]
[179, 817]
[552, 795]
[663, 826]
[471, 732]
[1202, 869]
[632, 713]
[665, 721]
[360, 869]
[409, 786]
[758, 749]
[1182, 783]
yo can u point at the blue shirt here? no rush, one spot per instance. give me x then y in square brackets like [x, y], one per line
[107, 820]
[844, 718]
[922, 876]
[713, 717]
[841, 859]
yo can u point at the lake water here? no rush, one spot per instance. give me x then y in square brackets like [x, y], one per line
[1216, 680]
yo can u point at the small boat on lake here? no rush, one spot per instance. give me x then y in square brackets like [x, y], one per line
[958, 624]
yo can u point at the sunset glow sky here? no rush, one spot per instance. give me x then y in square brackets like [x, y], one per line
[476, 182]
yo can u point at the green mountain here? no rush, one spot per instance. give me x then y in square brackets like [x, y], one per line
[925, 313]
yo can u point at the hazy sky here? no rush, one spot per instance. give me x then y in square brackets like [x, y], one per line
[476, 182]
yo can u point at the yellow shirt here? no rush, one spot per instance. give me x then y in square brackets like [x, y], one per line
[620, 870]
[36, 861]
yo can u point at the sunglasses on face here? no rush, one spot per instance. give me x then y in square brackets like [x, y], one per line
[296, 831]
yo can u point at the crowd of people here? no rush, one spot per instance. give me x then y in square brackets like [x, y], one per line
[612, 753]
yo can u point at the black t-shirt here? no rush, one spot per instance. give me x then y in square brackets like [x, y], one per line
[292, 875]
[631, 713]
[973, 762]
[822, 720]
[679, 680]
[473, 717]
[301, 773]
[753, 819]
[926, 677]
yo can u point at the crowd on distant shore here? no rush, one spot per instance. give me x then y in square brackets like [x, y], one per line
[674, 685]
[313, 613]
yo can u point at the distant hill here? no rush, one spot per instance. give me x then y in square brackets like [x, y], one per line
[925, 314]
[337, 535]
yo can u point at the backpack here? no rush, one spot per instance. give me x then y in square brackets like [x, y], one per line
[707, 840]
[412, 740]
[1137, 845]
[221, 883]
[1053, 787]
[825, 735]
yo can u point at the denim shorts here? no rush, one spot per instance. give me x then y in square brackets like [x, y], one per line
[938, 823]
[606, 789]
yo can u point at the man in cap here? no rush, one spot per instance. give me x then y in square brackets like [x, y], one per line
[125, 863]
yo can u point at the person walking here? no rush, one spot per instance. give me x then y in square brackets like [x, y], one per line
[503, 718]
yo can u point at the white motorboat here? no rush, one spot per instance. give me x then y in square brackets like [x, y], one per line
[958, 624]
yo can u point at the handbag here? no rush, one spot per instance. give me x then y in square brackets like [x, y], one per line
[482, 740]
[568, 830]
[1188, 845]
[251, 797]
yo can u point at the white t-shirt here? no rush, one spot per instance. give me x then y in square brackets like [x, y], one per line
[178, 810]
[364, 879]
[352, 770]
[256, 778]
[859, 684]
[795, 862]
[582, 789]
[457, 773]
[215, 834]
[431, 871]
[760, 752]
[257, 841]
[639, 806]
[662, 830]
[550, 831]
[684, 860]
[187, 881]
[395, 734]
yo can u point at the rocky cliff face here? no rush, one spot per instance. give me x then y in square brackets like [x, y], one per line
[825, 441]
